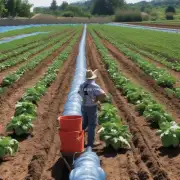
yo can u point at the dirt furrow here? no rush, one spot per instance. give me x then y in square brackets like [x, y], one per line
[14, 93]
[124, 162]
[33, 152]
[18, 65]
[54, 167]
[147, 148]
[51, 155]
[136, 75]
[158, 64]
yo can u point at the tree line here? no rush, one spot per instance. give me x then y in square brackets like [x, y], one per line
[14, 8]
[88, 8]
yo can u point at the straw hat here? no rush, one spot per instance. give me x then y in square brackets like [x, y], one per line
[91, 74]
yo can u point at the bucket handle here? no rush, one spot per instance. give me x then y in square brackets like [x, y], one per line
[74, 156]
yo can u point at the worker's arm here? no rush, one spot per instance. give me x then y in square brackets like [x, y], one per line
[100, 94]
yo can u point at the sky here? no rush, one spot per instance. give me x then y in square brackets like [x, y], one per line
[48, 2]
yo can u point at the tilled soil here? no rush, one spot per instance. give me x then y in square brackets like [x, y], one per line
[14, 93]
[36, 151]
[39, 155]
[147, 159]
[136, 75]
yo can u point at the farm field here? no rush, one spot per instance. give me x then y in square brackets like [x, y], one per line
[174, 24]
[139, 68]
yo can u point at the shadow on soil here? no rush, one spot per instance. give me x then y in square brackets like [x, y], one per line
[109, 152]
[59, 171]
[170, 152]
[21, 138]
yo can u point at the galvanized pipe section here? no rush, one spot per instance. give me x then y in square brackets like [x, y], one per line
[73, 103]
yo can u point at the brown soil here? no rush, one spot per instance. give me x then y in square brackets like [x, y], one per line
[147, 159]
[14, 93]
[170, 26]
[136, 75]
[39, 153]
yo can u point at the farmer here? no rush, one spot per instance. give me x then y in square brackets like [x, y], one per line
[90, 93]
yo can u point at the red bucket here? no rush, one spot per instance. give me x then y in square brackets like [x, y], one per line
[70, 123]
[72, 142]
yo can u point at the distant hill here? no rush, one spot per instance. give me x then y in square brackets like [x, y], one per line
[159, 3]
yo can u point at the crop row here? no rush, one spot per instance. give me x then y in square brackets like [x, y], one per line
[22, 49]
[6, 47]
[15, 76]
[23, 57]
[113, 132]
[25, 112]
[144, 103]
[174, 65]
[166, 44]
[26, 108]
[161, 76]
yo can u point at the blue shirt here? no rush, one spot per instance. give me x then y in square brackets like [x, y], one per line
[89, 90]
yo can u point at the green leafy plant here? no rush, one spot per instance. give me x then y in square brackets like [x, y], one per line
[25, 108]
[154, 113]
[8, 146]
[115, 135]
[170, 134]
[108, 113]
[20, 125]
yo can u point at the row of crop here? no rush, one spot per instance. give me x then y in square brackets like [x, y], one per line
[112, 131]
[27, 47]
[6, 47]
[153, 112]
[22, 121]
[23, 57]
[25, 113]
[166, 44]
[174, 65]
[15, 76]
[161, 76]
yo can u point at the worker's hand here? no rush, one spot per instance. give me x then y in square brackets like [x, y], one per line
[108, 98]
[99, 106]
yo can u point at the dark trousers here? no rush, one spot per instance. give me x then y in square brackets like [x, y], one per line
[90, 120]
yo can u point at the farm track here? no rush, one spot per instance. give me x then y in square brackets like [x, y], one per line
[16, 91]
[147, 160]
[5, 72]
[43, 40]
[136, 75]
[34, 152]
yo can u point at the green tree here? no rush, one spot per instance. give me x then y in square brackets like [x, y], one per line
[170, 9]
[64, 5]
[25, 9]
[2, 7]
[54, 6]
[106, 7]
[169, 12]
[11, 7]
[18, 7]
